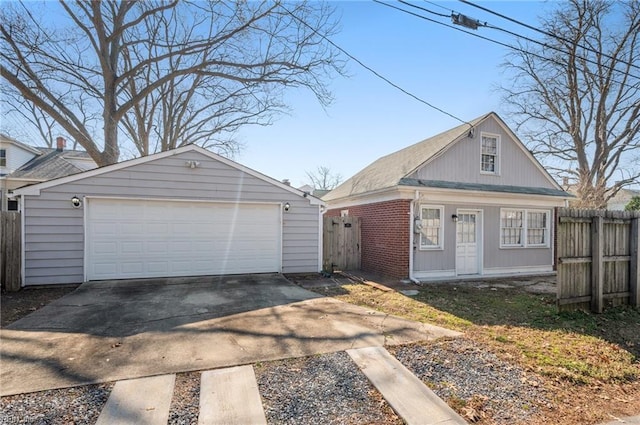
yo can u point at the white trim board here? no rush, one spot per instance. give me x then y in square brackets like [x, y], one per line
[451, 196]
[434, 274]
[518, 271]
[450, 275]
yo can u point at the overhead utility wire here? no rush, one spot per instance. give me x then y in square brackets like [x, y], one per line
[531, 40]
[437, 5]
[374, 72]
[425, 9]
[483, 37]
[547, 33]
[477, 23]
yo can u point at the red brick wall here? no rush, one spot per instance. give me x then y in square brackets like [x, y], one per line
[385, 236]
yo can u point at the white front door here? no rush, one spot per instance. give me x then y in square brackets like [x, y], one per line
[467, 244]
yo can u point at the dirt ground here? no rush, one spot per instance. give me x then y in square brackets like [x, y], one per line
[15, 305]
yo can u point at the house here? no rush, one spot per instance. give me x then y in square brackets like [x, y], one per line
[182, 212]
[471, 201]
[318, 193]
[21, 165]
[621, 199]
[617, 203]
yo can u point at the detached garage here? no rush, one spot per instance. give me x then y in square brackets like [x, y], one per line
[184, 212]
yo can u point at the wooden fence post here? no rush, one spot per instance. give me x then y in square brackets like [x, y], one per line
[634, 263]
[597, 266]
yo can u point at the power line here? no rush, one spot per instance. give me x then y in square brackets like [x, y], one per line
[548, 34]
[509, 46]
[477, 23]
[374, 72]
[438, 5]
[422, 8]
[531, 40]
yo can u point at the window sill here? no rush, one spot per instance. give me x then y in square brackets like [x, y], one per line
[526, 247]
[435, 248]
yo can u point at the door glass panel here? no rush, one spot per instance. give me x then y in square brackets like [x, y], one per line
[466, 228]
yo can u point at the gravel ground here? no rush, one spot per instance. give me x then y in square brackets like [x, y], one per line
[326, 389]
[185, 404]
[475, 382]
[79, 406]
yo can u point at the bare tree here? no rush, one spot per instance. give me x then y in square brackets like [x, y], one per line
[29, 120]
[577, 100]
[323, 178]
[164, 73]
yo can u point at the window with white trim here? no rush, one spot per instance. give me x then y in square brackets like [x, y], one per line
[431, 222]
[489, 155]
[3, 157]
[537, 228]
[524, 228]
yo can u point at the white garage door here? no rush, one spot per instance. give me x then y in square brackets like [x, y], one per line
[145, 238]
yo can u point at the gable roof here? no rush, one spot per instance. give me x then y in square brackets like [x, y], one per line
[387, 171]
[36, 188]
[50, 164]
[32, 149]
[394, 169]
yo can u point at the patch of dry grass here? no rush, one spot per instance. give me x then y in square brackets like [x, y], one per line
[589, 362]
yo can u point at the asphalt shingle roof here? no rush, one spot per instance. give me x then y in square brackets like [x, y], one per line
[51, 164]
[387, 171]
[393, 170]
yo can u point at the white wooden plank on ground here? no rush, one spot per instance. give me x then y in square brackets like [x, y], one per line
[406, 394]
[230, 396]
[143, 401]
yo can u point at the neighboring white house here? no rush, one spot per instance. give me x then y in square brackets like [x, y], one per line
[22, 165]
[182, 212]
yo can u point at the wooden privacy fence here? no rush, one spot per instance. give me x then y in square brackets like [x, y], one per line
[597, 258]
[10, 260]
[341, 243]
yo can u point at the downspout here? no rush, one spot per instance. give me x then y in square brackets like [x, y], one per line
[411, 236]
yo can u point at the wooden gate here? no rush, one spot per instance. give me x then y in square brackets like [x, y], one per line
[341, 243]
[10, 259]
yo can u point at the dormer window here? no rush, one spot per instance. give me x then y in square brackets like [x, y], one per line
[3, 157]
[489, 161]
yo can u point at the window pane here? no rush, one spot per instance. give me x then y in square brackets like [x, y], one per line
[431, 225]
[489, 145]
[511, 222]
[488, 163]
[537, 228]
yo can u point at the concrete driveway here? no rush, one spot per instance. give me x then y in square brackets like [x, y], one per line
[106, 331]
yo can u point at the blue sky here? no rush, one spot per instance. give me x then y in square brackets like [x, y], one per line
[368, 119]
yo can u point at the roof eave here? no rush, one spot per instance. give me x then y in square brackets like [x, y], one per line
[34, 190]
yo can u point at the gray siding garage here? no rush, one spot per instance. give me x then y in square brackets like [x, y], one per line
[179, 213]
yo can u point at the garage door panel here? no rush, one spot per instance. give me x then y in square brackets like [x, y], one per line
[127, 247]
[145, 238]
[134, 268]
[157, 267]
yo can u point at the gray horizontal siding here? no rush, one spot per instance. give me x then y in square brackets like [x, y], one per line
[510, 257]
[54, 231]
[461, 163]
[493, 255]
